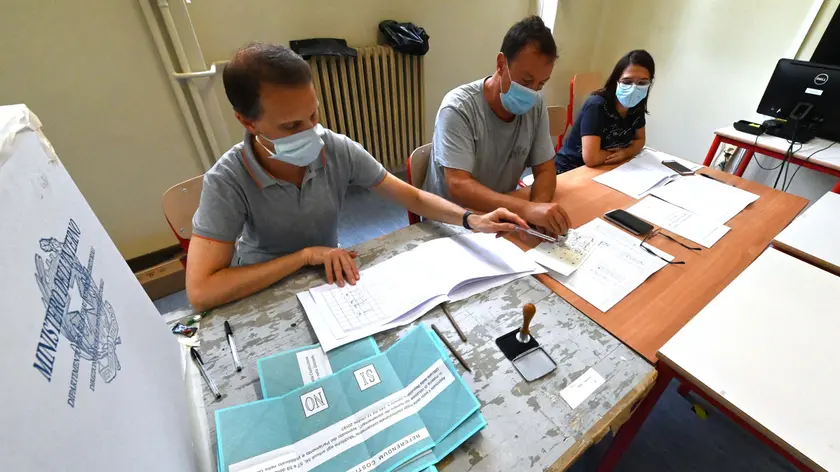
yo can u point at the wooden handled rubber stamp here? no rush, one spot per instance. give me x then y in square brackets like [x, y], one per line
[528, 312]
[526, 354]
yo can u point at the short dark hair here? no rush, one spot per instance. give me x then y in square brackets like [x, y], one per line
[256, 64]
[529, 31]
[638, 57]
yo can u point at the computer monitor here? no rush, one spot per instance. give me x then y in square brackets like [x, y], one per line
[805, 93]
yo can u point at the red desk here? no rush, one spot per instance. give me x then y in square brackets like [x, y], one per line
[827, 161]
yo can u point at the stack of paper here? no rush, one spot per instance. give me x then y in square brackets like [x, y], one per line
[643, 173]
[406, 408]
[614, 269]
[564, 258]
[403, 288]
[691, 226]
[714, 200]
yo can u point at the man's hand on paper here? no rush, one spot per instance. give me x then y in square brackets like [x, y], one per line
[550, 216]
[338, 263]
[500, 220]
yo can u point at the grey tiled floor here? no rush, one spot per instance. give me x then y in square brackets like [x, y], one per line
[672, 439]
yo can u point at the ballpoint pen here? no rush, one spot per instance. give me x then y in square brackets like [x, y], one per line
[542, 236]
[232, 344]
[197, 358]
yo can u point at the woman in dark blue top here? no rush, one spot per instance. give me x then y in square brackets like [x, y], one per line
[610, 127]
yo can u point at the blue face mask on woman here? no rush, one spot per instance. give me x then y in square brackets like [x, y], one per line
[299, 149]
[631, 95]
[519, 98]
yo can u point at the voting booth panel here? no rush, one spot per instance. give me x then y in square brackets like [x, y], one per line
[92, 379]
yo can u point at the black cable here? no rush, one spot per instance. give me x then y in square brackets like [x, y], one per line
[789, 152]
[785, 189]
[787, 167]
[755, 144]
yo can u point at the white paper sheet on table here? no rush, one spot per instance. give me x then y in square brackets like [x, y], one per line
[614, 269]
[567, 257]
[706, 197]
[694, 227]
[638, 176]
[405, 287]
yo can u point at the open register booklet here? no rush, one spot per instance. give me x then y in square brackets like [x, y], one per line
[405, 287]
[404, 410]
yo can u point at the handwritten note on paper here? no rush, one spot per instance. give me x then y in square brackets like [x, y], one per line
[567, 257]
[584, 386]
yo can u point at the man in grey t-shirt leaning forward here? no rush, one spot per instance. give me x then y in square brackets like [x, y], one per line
[488, 131]
[271, 204]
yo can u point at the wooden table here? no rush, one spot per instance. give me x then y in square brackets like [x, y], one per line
[814, 237]
[529, 426]
[764, 352]
[817, 154]
[656, 310]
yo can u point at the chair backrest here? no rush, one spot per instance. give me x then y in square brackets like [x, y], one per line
[580, 89]
[418, 165]
[556, 120]
[179, 205]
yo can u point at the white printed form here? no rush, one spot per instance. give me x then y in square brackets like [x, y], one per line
[614, 269]
[320, 447]
[691, 226]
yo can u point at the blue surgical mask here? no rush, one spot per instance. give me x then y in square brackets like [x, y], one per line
[299, 149]
[519, 98]
[631, 95]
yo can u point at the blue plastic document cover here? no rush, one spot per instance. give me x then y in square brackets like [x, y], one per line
[376, 414]
[281, 373]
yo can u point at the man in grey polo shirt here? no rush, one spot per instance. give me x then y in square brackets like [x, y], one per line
[270, 205]
[488, 131]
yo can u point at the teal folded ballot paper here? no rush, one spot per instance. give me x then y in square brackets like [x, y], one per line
[390, 410]
[281, 373]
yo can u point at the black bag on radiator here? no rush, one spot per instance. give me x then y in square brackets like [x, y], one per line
[406, 38]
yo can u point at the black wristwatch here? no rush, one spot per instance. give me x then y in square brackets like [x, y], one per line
[466, 217]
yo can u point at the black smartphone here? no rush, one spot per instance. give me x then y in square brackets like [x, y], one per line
[677, 167]
[629, 222]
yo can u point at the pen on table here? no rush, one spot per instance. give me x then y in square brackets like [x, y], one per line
[451, 348]
[197, 358]
[232, 344]
[448, 314]
[542, 236]
[710, 177]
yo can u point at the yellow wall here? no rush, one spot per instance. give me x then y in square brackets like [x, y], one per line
[88, 69]
[576, 32]
[465, 35]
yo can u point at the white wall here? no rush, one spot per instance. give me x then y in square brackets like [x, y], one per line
[465, 35]
[90, 72]
[713, 61]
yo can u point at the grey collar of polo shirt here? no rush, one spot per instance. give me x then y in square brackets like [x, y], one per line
[261, 176]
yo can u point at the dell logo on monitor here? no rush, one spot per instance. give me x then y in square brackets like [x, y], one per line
[821, 79]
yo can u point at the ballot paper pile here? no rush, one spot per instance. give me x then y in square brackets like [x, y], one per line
[405, 287]
[351, 409]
